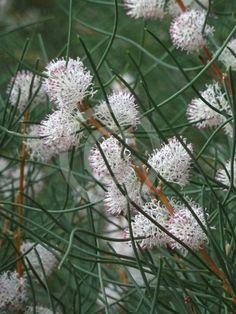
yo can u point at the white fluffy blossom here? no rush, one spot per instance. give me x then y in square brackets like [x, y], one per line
[12, 292]
[67, 83]
[116, 203]
[172, 161]
[199, 110]
[174, 9]
[39, 310]
[117, 157]
[48, 259]
[147, 9]
[183, 225]
[36, 147]
[186, 30]
[24, 88]
[124, 109]
[223, 175]
[228, 55]
[143, 227]
[61, 130]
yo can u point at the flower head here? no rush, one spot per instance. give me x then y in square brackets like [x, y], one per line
[199, 110]
[142, 226]
[117, 157]
[147, 9]
[36, 147]
[67, 83]
[48, 259]
[124, 109]
[12, 292]
[228, 56]
[172, 161]
[184, 226]
[117, 203]
[223, 175]
[61, 130]
[24, 88]
[186, 30]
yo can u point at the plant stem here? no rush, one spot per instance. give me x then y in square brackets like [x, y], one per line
[20, 197]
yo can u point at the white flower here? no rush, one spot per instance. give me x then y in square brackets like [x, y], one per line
[67, 84]
[48, 259]
[198, 110]
[143, 227]
[36, 147]
[12, 292]
[116, 203]
[228, 56]
[172, 161]
[174, 9]
[223, 175]
[39, 309]
[185, 227]
[61, 130]
[147, 9]
[117, 157]
[25, 87]
[124, 109]
[186, 30]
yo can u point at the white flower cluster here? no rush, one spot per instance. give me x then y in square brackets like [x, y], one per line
[24, 88]
[186, 31]
[181, 224]
[228, 56]
[224, 175]
[67, 84]
[48, 259]
[147, 9]
[12, 292]
[172, 161]
[124, 109]
[199, 110]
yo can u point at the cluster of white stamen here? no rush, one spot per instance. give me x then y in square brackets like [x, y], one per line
[224, 175]
[124, 109]
[172, 161]
[36, 147]
[151, 235]
[184, 226]
[12, 292]
[43, 255]
[67, 83]
[61, 130]
[199, 110]
[117, 157]
[24, 88]
[116, 202]
[147, 9]
[228, 55]
[186, 30]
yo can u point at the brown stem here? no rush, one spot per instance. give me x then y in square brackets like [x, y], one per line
[20, 197]
[218, 272]
[181, 5]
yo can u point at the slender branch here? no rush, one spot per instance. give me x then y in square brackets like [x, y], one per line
[20, 197]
